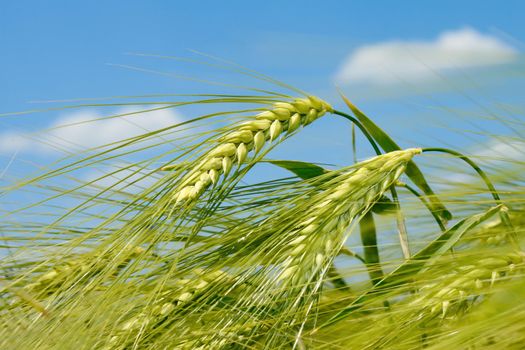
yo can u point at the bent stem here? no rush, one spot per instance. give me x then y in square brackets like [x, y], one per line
[348, 252]
[366, 224]
[505, 219]
[425, 203]
[361, 127]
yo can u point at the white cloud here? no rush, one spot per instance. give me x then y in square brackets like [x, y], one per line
[81, 130]
[390, 62]
[502, 150]
[499, 154]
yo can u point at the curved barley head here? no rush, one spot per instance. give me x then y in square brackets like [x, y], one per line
[245, 138]
[320, 235]
[453, 292]
[283, 262]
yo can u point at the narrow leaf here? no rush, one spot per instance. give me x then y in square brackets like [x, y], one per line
[304, 170]
[368, 232]
[384, 206]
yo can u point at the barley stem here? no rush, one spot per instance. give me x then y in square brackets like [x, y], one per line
[348, 252]
[337, 279]
[361, 127]
[503, 213]
[425, 203]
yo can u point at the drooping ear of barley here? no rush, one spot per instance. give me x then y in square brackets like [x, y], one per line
[498, 322]
[248, 137]
[495, 232]
[439, 299]
[282, 263]
[320, 233]
[78, 270]
[453, 292]
[175, 300]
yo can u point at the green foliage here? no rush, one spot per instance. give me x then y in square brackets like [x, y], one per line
[196, 259]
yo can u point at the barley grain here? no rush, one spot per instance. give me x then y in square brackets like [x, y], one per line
[83, 266]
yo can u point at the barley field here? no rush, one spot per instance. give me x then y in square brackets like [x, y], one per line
[262, 175]
[198, 258]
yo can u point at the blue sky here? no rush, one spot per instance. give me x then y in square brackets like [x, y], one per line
[59, 50]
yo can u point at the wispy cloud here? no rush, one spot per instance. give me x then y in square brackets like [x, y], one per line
[390, 62]
[497, 150]
[82, 130]
[505, 155]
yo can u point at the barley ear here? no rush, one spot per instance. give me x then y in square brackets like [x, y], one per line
[284, 117]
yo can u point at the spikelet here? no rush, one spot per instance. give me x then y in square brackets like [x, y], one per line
[333, 210]
[249, 136]
[82, 267]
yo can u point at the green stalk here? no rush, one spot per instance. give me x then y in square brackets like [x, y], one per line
[425, 203]
[505, 219]
[361, 127]
[367, 224]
